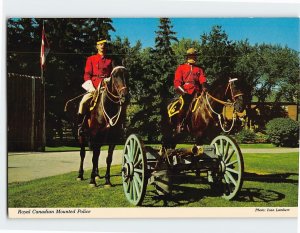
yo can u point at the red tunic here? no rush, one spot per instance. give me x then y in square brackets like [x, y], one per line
[190, 77]
[97, 68]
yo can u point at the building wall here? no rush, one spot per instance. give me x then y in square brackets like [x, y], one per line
[24, 113]
[290, 109]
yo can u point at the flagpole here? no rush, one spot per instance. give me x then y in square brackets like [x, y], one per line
[44, 104]
[42, 69]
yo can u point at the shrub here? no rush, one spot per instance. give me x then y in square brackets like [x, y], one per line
[261, 138]
[283, 132]
[245, 136]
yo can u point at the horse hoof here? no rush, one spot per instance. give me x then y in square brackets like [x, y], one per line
[97, 178]
[79, 178]
[107, 186]
[92, 185]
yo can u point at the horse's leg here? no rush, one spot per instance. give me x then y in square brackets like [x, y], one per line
[82, 156]
[169, 137]
[97, 175]
[95, 160]
[108, 164]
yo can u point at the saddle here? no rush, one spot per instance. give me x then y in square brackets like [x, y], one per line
[177, 104]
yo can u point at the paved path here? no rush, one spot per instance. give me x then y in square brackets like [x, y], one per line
[34, 165]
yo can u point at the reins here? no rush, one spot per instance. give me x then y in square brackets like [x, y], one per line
[220, 115]
[70, 100]
[110, 95]
[225, 103]
[107, 118]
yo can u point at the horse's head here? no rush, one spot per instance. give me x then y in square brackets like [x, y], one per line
[117, 84]
[234, 93]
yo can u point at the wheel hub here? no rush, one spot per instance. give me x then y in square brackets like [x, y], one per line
[128, 170]
[222, 166]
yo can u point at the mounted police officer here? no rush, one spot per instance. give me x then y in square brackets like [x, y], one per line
[98, 68]
[189, 79]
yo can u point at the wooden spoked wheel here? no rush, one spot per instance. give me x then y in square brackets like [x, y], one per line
[229, 178]
[134, 170]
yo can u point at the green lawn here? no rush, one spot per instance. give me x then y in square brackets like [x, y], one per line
[121, 147]
[269, 180]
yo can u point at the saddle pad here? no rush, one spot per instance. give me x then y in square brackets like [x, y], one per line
[175, 106]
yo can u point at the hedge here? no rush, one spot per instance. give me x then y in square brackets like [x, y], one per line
[283, 132]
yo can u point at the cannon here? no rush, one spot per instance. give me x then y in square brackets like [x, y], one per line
[221, 161]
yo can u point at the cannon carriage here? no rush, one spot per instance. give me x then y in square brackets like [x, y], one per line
[221, 161]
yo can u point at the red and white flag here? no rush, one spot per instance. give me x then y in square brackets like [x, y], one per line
[44, 49]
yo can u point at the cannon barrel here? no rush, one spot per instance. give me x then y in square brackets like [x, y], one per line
[195, 151]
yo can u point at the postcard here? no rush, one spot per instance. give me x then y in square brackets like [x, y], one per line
[181, 117]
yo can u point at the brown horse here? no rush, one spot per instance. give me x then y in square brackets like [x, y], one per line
[106, 122]
[205, 113]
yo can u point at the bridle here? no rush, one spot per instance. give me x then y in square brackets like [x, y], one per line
[229, 87]
[116, 99]
[229, 103]
[118, 89]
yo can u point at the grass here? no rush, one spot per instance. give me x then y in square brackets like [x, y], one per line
[257, 146]
[269, 180]
[121, 147]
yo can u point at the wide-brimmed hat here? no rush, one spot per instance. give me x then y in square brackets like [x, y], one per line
[101, 41]
[191, 51]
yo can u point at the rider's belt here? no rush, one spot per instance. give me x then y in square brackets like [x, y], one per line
[99, 76]
[189, 83]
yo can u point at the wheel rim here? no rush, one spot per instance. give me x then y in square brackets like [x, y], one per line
[231, 167]
[134, 166]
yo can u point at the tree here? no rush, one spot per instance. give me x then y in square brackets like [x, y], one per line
[217, 54]
[132, 59]
[182, 46]
[268, 73]
[23, 46]
[159, 66]
[288, 64]
[166, 62]
[246, 69]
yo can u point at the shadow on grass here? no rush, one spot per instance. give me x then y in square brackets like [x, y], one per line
[265, 195]
[181, 195]
[271, 178]
[259, 195]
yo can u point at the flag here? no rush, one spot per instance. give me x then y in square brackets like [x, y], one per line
[44, 49]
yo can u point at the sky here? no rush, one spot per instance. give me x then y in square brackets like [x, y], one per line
[281, 31]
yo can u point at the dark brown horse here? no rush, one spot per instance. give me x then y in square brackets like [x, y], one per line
[106, 122]
[205, 113]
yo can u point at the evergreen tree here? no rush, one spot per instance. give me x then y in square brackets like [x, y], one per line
[23, 46]
[157, 80]
[182, 46]
[217, 54]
